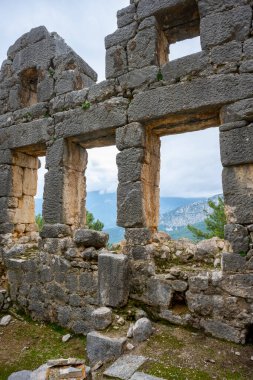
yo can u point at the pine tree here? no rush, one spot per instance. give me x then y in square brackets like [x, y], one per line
[214, 222]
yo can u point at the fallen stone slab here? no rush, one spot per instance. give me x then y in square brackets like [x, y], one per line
[20, 375]
[5, 320]
[144, 376]
[125, 366]
[64, 362]
[104, 348]
[70, 372]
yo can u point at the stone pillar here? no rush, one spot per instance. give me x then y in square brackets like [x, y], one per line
[237, 159]
[65, 185]
[18, 178]
[138, 173]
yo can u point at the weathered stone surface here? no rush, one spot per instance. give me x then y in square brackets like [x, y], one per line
[238, 237]
[144, 376]
[90, 238]
[221, 330]
[131, 136]
[239, 285]
[229, 52]
[55, 230]
[146, 9]
[130, 194]
[142, 330]
[116, 61]
[138, 236]
[219, 28]
[126, 16]
[125, 366]
[232, 262]
[121, 36]
[190, 65]
[214, 6]
[5, 320]
[21, 375]
[35, 132]
[237, 185]
[104, 116]
[189, 96]
[182, 320]
[235, 146]
[204, 304]
[242, 110]
[113, 279]
[102, 318]
[159, 292]
[198, 283]
[142, 50]
[139, 77]
[130, 164]
[103, 348]
[102, 91]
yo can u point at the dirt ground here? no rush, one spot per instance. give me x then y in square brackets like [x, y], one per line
[173, 352]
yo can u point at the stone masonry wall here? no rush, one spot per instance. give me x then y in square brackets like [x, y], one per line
[51, 106]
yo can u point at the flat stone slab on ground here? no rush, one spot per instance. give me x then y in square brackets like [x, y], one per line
[125, 366]
[21, 375]
[144, 376]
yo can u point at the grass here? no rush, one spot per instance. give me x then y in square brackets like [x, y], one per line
[27, 345]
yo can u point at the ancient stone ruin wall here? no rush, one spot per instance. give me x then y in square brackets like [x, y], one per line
[50, 106]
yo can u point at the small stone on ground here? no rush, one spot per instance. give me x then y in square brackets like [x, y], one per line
[144, 376]
[125, 366]
[5, 320]
[65, 338]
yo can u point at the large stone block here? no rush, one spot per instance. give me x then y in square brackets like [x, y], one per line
[5, 157]
[103, 117]
[138, 236]
[149, 8]
[190, 65]
[30, 179]
[238, 193]
[131, 136]
[139, 77]
[238, 237]
[235, 145]
[121, 36]
[201, 93]
[32, 133]
[126, 15]
[53, 196]
[222, 330]
[90, 238]
[143, 49]
[11, 179]
[242, 110]
[229, 52]
[159, 292]
[214, 6]
[219, 28]
[238, 285]
[25, 213]
[55, 230]
[233, 262]
[113, 279]
[66, 154]
[116, 62]
[103, 348]
[130, 205]
[131, 163]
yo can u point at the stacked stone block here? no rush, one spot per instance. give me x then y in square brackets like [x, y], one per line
[65, 190]
[18, 188]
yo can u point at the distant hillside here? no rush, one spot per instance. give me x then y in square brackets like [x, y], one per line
[190, 214]
[175, 213]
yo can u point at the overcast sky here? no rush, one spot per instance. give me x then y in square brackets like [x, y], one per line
[190, 162]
